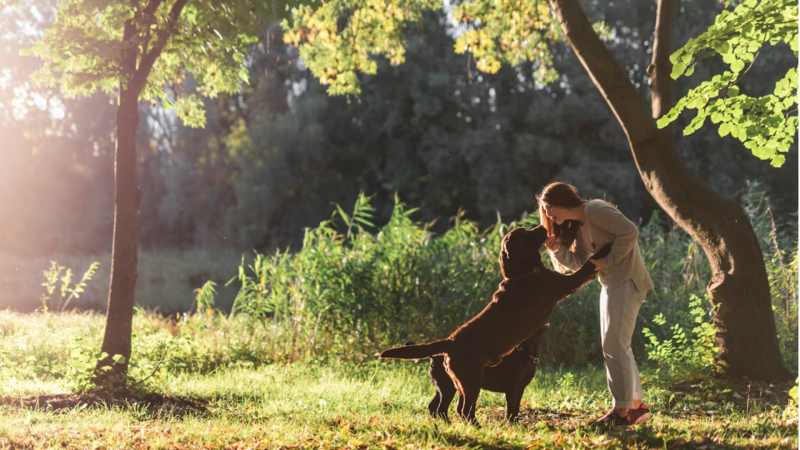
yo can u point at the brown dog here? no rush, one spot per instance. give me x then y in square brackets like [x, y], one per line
[520, 308]
[510, 377]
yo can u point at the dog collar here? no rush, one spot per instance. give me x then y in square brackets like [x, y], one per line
[535, 271]
[531, 357]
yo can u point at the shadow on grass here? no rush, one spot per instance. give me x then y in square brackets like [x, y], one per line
[150, 403]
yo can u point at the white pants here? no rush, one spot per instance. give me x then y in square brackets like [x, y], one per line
[619, 306]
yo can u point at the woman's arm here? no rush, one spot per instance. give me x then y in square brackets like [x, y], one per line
[571, 260]
[625, 233]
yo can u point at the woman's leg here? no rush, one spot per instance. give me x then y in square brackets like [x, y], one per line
[619, 306]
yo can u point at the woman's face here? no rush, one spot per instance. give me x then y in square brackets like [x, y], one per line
[555, 213]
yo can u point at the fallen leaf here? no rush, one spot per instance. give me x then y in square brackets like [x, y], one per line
[373, 420]
[788, 422]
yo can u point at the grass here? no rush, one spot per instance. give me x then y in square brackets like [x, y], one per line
[383, 405]
[206, 397]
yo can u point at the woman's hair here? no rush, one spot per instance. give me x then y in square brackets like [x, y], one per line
[561, 195]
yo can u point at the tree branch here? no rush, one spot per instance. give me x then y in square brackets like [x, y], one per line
[609, 78]
[663, 42]
[162, 37]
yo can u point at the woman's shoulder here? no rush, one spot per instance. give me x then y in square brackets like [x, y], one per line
[600, 211]
[593, 206]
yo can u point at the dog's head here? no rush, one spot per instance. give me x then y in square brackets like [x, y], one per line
[519, 254]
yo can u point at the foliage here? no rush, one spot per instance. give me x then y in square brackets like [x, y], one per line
[335, 53]
[791, 410]
[780, 251]
[766, 124]
[53, 276]
[204, 298]
[86, 47]
[496, 32]
[682, 355]
[511, 32]
[354, 288]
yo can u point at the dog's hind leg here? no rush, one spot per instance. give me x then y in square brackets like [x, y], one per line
[467, 374]
[445, 389]
[441, 403]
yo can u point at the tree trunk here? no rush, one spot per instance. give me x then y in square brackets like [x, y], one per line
[745, 324]
[124, 250]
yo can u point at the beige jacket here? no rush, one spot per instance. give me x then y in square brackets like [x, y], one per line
[606, 224]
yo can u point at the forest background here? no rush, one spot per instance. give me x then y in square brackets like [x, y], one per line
[278, 157]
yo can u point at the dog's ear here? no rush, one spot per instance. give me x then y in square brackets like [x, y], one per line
[514, 244]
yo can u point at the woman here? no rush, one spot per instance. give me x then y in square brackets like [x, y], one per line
[577, 228]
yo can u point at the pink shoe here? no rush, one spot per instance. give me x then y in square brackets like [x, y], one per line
[639, 415]
[612, 418]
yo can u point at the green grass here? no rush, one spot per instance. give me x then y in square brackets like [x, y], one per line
[383, 404]
[237, 393]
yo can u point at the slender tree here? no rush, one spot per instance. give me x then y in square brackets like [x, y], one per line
[337, 38]
[142, 50]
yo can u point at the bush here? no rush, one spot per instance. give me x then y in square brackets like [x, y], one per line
[353, 293]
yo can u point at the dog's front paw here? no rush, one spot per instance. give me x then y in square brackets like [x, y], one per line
[602, 253]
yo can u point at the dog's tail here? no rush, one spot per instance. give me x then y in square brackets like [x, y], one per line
[420, 351]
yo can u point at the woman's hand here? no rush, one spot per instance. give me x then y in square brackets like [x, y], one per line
[597, 265]
[552, 243]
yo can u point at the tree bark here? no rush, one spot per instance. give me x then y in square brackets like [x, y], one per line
[124, 250]
[739, 287]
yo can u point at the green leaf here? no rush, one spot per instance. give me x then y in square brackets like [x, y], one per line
[677, 70]
[733, 91]
[365, 222]
[724, 129]
[737, 65]
[663, 121]
[344, 215]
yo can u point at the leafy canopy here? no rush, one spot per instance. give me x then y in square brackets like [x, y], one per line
[764, 124]
[338, 38]
[83, 50]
